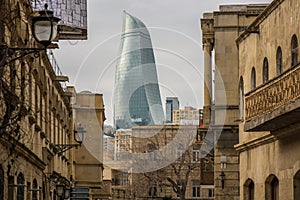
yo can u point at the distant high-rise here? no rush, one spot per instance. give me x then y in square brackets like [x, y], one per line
[187, 116]
[172, 103]
[136, 97]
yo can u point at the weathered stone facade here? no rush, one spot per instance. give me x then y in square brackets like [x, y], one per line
[89, 111]
[35, 114]
[170, 152]
[269, 83]
[221, 114]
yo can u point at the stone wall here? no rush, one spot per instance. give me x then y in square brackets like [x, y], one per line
[266, 154]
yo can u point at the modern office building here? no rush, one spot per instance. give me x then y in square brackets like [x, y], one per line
[137, 98]
[172, 103]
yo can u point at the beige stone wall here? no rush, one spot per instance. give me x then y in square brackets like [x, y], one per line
[32, 151]
[89, 109]
[228, 22]
[161, 136]
[256, 47]
[261, 153]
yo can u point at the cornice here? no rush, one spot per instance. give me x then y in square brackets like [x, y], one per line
[25, 152]
[263, 15]
[255, 143]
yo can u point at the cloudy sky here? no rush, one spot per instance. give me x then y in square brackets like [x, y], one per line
[174, 26]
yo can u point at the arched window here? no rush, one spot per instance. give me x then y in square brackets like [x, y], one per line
[265, 70]
[34, 189]
[54, 194]
[294, 50]
[297, 186]
[20, 187]
[253, 79]
[272, 188]
[241, 98]
[249, 190]
[279, 61]
[1, 183]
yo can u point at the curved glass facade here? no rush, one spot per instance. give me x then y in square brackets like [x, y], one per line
[136, 95]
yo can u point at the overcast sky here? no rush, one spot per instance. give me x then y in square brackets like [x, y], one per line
[174, 26]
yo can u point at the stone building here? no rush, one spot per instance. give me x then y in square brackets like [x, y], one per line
[168, 159]
[122, 142]
[269, 75]
[88, 172]
[35, 115]
[187, 116]
[220, 29]
[36, 119]
[108, 148]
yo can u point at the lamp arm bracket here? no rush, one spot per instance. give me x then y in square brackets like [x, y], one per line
[10, 54]
[61, 148]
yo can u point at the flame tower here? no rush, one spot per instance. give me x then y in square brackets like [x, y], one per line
[137, 98]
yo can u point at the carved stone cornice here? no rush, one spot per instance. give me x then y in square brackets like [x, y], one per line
[207, 27]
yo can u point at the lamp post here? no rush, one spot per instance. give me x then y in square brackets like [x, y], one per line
[223, 166]
[44, 30]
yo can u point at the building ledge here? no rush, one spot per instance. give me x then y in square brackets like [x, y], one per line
[255, 143]
[62, 78]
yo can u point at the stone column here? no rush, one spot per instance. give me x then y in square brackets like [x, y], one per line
[207, 47]
[207, 26]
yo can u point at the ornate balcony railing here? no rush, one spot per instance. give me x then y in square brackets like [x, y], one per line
[277, 92]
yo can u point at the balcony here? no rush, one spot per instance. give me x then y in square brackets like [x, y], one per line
[274, 105]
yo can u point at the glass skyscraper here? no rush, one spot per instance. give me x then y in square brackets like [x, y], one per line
[172, 104]
[137, 98]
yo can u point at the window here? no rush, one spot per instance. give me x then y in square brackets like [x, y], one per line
[196, 188]
[272, 188]
[54, 194]
[265, 71]
[20, 187]
[249, 190]
[253, 79]
[1, 183]
[279, 61]
[153, 192]
[180, 152]
[210, 193]
[297, 186]
[241, 98]
[294, 50]
[196, 155]
[11, 181]
[34, 189]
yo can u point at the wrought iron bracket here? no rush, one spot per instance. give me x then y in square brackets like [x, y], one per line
[10, 54]
[61, 148]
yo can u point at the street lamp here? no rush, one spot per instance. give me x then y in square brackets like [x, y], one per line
[67, 193]
[44, 26]
[79, 136]
[44, 30]
[223, 166]
[60, 189]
